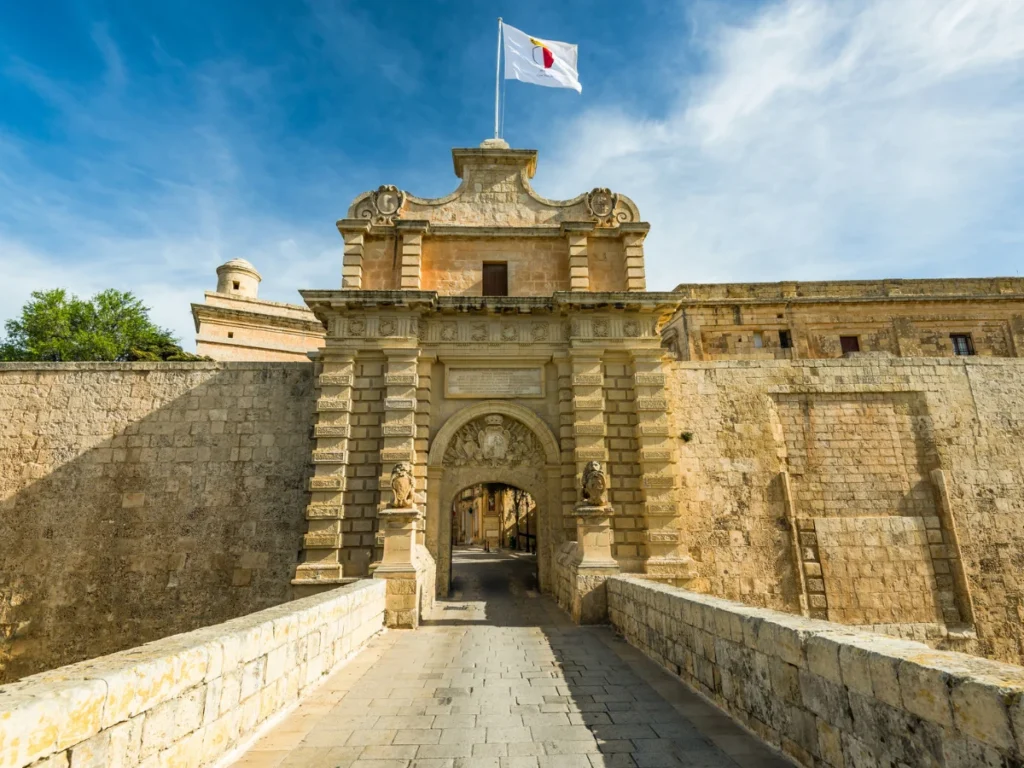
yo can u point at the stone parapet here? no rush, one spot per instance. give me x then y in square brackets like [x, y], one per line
[824, 693]
[188, 699]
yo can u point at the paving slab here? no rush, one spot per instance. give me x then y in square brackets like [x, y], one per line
[498, 675]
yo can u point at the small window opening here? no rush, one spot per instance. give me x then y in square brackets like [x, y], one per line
[231, 334]
[235, 284]
[849, 344]
[962, 344]
[785, 340]
[495, 278]
[758, 340]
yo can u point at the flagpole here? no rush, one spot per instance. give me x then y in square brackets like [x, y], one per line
[497, 81]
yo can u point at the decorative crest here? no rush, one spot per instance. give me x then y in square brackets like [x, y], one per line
[603, 205]
[493, 440]
[382, 205]
[595, 485]
[403, 486]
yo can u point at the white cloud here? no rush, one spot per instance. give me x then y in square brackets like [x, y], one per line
[826, 140]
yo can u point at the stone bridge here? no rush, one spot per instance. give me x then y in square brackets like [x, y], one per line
[498, 675]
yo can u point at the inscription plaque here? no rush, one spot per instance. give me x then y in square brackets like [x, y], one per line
[494, 382]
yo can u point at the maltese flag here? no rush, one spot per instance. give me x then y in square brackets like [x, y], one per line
[541, 62]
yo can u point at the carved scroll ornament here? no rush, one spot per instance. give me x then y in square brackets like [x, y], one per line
[382, 205]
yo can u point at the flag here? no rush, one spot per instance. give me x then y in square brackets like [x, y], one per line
[541, 62]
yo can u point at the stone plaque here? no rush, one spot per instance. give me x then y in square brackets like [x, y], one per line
[494, 382]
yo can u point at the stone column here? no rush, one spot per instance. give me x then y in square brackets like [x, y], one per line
[411, 239]
[353, 231]
[321, 567]
[656, 455]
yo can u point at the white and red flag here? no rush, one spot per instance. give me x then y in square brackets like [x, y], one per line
[541, 62]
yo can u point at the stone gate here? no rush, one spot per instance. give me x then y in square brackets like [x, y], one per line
[491, 336]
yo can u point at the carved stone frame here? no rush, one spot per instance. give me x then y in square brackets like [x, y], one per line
[542, 482]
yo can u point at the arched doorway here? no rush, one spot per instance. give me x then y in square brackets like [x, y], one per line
[493, 442]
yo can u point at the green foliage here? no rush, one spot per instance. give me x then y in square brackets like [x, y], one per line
[112, 326]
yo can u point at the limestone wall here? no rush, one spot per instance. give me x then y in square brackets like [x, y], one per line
[828, 696]
[878, 491]
[140, 500]
[188, 699]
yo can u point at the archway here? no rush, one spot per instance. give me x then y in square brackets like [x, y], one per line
[492, 442]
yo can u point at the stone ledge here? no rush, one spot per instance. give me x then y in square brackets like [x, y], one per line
[864, 698]
[191, 698]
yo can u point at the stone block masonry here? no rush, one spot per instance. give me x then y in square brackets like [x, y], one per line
[189, 699]
[874, 491]
[140, 500]
[827, 695]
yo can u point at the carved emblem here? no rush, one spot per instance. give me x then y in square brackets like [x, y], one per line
[601, 328]
[601, 202]
[356, 327]
[403, 485]
[509, 333]
[539, 332]
[631, 328]
[595, 485]
[478, 332]
[491, 441]
[387, 327]
[449, 332]
[382, 204]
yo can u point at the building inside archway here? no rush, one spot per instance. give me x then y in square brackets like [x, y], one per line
[495, 515]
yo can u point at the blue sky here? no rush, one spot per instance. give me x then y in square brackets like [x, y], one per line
[144, 143]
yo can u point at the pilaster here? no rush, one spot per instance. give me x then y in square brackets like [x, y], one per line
[633, 247]
[411, 239]
[577, 233]
[656, 457]
[321, 565]
[398, 423]
[353, 231]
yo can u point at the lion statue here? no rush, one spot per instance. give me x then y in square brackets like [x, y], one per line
[595, 485]
[403, 485]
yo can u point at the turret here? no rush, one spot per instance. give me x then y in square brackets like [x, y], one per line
[238, 278]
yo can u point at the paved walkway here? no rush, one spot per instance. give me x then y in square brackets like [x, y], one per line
[499, 676]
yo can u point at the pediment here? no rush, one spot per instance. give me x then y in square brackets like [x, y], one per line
[495, 192]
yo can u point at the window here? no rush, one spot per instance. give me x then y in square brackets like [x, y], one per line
[849, 344]
[785, 340]
[758, 340]
[496, 278]
[235, 284]
[962, 343]
[231, 334]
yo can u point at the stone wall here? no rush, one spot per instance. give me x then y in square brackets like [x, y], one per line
[828, 696]
[875, 491]
[188, 699]
[537, 266]
[140, 500]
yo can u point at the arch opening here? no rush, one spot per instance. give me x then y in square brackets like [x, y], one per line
[505, 448]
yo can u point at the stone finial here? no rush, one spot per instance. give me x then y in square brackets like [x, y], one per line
[595, 485]
[403, 485]
[493, 144]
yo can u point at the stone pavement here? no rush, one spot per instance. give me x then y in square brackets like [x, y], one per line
[499, 676]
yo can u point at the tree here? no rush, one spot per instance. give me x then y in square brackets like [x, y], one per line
[113, 325]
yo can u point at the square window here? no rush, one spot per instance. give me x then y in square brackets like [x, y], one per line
[495, 276]
[235, 284]
[785, 340]
[849, 344]
[231, 334]
[963, 345]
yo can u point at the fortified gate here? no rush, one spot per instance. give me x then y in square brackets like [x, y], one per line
[491, 336]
